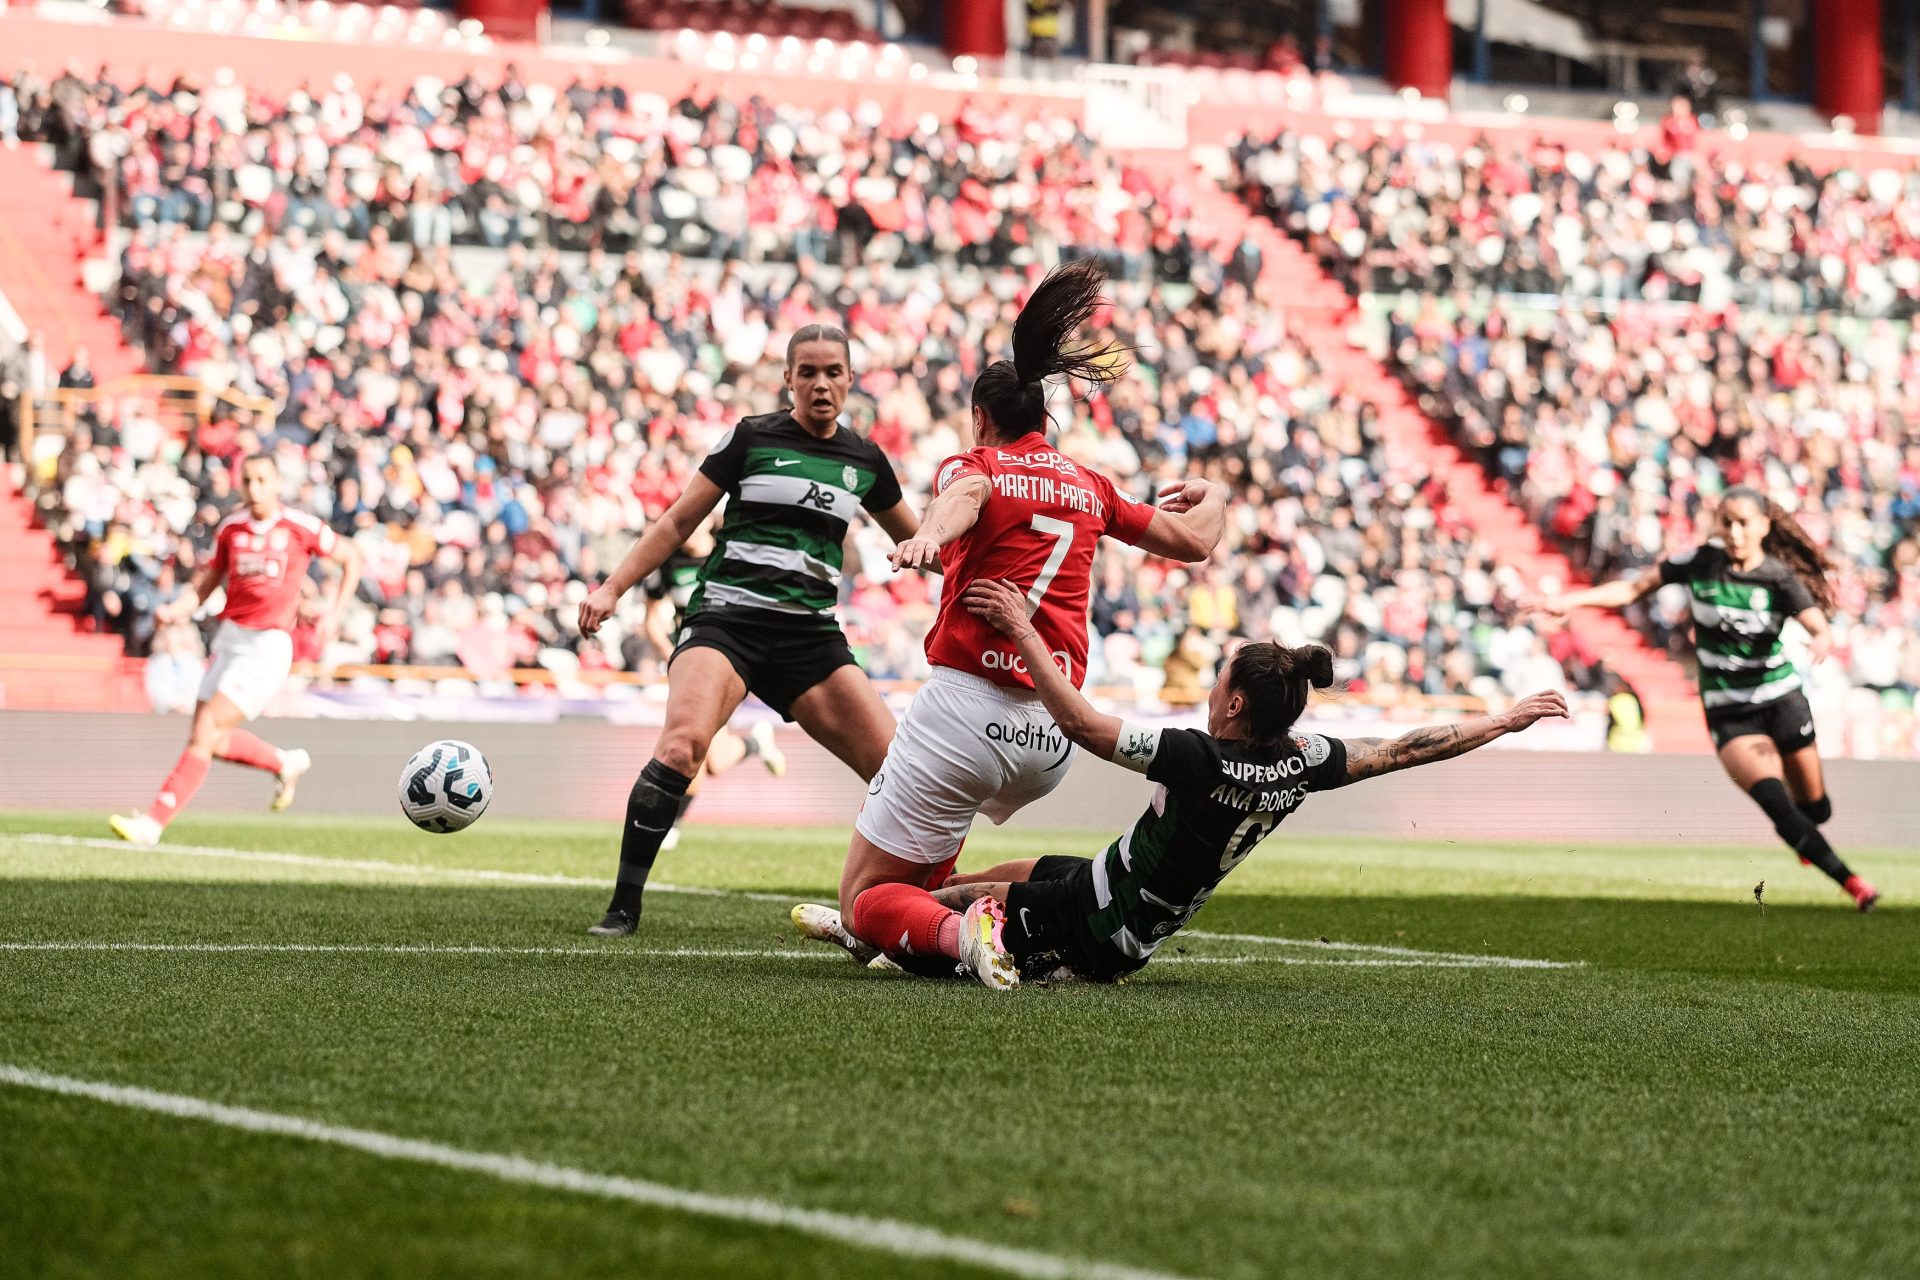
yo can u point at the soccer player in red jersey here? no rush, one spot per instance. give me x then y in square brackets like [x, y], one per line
[262, 554]
[976, 737]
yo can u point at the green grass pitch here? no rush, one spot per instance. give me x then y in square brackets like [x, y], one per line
[1711, 1087]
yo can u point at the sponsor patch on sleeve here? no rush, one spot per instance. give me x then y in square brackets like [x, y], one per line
[1313, 748]
[947, 473]
[1136, 747]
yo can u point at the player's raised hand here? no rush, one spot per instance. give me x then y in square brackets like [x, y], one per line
[916, 552]
[597, 608]
[999, 604]
[1552, 704]
[1184, 495]
[1543, 607]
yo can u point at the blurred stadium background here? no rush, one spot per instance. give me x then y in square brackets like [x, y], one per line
[1464, 297]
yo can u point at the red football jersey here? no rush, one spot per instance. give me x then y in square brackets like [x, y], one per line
[1037, 530]
[264, 564]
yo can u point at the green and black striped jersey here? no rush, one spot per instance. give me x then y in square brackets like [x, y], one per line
[790, 499]
[1216, 801]
[1737, 619]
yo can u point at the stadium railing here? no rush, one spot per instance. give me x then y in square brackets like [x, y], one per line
[178, 403]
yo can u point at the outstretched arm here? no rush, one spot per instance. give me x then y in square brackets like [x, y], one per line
[1617, 594]
[1371, 757]
[651, 549]
[899, 521]
[1003, 607]
[948, 516]
[1188, 522]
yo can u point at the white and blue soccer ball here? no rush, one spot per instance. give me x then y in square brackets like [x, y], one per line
[445, 787]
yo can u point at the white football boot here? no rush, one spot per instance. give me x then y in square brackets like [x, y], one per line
[981, 948]
[136, 828]
[293, 767]
[822, 924]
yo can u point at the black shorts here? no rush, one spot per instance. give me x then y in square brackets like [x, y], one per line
[1788, 720]
[1047, 924]
[778, 663]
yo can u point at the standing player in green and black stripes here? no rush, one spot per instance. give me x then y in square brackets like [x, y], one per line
[760, 619]
[1761, 571]
[669, 592]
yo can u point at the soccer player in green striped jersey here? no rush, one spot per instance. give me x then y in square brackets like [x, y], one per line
[669, 592]
[1221, 792]
[760, 616]
[1762, 571]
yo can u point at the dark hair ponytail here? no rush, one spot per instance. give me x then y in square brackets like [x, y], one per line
[1010, 391]
[1274, 680]
[1792, 545]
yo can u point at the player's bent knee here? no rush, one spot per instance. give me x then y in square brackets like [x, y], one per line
[1818, 811]
[681, 752]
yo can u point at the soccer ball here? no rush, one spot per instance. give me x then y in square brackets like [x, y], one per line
[445, 787]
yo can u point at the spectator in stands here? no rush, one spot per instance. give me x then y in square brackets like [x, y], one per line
[490, 430]
[1043, 28]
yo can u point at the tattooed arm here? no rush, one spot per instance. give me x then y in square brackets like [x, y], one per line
[948, 516]
[958, 897]
[1371, 757]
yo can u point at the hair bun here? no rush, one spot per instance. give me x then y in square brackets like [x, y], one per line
[1316, 661]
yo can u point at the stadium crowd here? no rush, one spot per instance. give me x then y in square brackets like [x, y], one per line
[1677, 223]
[491, 424]
[1683, 365]
[432, 164]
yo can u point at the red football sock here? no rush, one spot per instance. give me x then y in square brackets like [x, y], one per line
[179, 788]
[902, 919]
[244, 748]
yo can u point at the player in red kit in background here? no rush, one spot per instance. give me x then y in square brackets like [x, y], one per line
[261, 553]
[976, 738]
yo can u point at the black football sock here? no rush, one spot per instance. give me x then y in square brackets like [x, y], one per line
[680, 810]
[1818, 811]
[652, 808]
[1797, 829]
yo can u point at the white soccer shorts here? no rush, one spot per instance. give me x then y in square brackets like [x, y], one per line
[965, 746]
[248, 666]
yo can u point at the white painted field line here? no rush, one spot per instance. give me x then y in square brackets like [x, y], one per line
[1435, 958]
[881, 1235]
[657, 953]
[379, 865]
[1368, 948]
[403, 949]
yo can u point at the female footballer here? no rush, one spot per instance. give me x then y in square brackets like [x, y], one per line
[1762, 570]
[760, 618]
[1222, 792]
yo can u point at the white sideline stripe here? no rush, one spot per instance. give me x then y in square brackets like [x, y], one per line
[882, 1235]
[1369, 948]
[1438, 958]
[376, 864]
[698, 953]
[401, 949]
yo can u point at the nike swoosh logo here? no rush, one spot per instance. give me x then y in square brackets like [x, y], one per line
[1027, 928]
[1807, 727]
[641, 826]
[786, 462]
